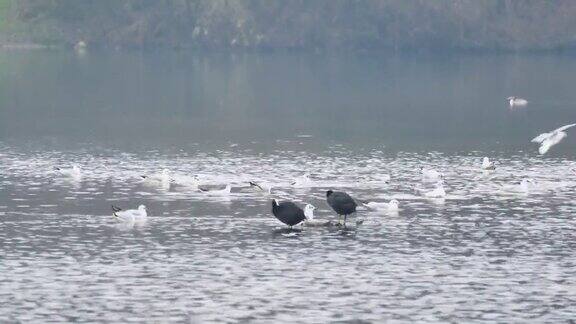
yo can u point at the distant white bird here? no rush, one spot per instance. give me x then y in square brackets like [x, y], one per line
[487, 164]
[221, 192]
[164, 175]
[310, 221]
[547, 140]
[526, 185]
[302, 181]
[80, 46]
[190, 182]
[431, 175]
[516, 102]
[392, 205]
[385, 178]
[73, 172]
[162, 179]
[131, 215]
[265, 187]
[437, 192]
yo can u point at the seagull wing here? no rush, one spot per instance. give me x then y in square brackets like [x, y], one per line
[563, 128]
[125, 215]
[369, 205]
[556, 138]
[544, 147]
[540, 138]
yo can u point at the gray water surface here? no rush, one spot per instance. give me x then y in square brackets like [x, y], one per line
[488, 252]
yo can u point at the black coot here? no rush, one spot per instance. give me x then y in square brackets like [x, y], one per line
[287, 212]
[341, 203]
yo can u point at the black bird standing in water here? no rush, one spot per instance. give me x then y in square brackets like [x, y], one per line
[287, 212]
[341, 203]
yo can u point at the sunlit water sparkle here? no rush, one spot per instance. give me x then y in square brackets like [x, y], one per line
[483, 252]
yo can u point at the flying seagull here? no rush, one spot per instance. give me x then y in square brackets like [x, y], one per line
[288, 212]
[341, 203]
[547, 140]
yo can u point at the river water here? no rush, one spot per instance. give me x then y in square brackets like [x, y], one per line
[490, 251]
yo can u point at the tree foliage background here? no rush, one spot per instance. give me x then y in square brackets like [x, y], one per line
[355, 24]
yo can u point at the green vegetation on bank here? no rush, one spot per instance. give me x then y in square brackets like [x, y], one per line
[4, 7]
[355, 24]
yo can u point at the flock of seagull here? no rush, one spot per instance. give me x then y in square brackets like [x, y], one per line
[340, 202]
[344, 205]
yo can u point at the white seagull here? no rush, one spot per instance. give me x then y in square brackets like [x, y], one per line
[190, 182]
[264, 187]
[437, 192]
[302, 181]
[73, 172]
[310, 221]
[131, 215]
[487, 164]
[547, 140]
[162, 179]
[517, 102]
[526, 185]
[431, 175]
[392, 205]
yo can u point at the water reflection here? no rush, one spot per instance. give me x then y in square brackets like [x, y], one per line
[163, 100]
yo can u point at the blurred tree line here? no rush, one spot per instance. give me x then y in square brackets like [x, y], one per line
[355, 24]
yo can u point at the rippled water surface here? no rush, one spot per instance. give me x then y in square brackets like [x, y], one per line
[490, 251]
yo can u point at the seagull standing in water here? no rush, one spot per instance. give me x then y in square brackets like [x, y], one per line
[547, 140]
[190, 182]
[431, 175]
[341, 203]
[288, 212]
[162, 179]
[526, 185]
[302, 181]
[516, 102]
[437, 192]
[487, 164]
[73, 172]
[391, 206]
[131, 215]
[310, 221]
[264, 187]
